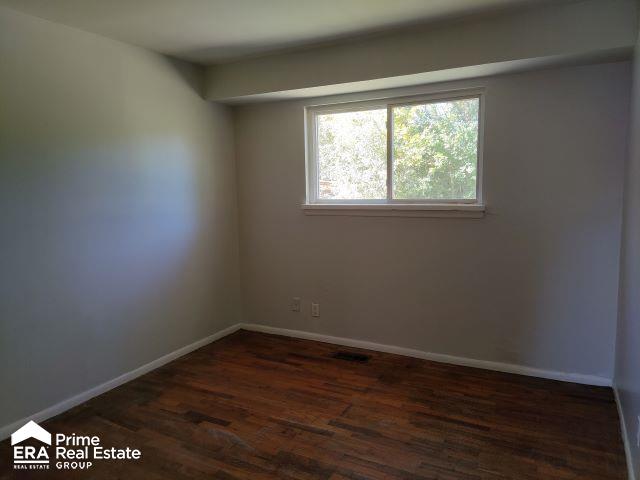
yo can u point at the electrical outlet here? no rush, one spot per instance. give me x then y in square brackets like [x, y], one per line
[315, 309]
[295, 304]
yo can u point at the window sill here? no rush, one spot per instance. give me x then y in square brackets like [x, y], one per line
[446, 210]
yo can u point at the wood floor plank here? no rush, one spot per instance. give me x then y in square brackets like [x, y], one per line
[257, 406]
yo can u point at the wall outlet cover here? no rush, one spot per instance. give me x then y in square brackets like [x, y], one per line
[295, 304]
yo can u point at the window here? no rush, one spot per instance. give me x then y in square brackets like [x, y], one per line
[411, 151]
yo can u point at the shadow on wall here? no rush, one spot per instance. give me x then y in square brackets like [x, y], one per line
[118, 216]
[192, 75]
[116, 247]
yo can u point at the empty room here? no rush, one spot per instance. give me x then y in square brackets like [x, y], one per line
[338, 240]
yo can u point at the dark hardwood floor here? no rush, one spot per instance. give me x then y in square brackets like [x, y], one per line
[256, 406]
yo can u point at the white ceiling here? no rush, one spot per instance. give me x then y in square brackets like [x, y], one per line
[216, 31]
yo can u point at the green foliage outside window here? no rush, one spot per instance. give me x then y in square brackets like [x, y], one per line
[434, 152]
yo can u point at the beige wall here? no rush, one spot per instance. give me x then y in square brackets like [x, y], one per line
[534, 283]
[117, 186]
[627, 375]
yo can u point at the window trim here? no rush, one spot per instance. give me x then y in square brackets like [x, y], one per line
[442, 210]
[388, 103]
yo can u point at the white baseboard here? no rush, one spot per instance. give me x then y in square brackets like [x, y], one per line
[625, 437]
[69, 403]
[436, 357]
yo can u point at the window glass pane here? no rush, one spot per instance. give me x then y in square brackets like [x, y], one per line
[435, 153]
[352, 155]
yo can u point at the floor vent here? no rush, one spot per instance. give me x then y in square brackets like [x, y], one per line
[351, 356]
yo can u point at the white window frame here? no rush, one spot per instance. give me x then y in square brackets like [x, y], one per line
[316, 205]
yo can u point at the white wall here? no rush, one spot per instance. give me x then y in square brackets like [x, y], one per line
[627, 375]
[534, 283]
[118, 217]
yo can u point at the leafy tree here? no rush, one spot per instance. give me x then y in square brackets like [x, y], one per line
[352, 155]
[434, 151]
